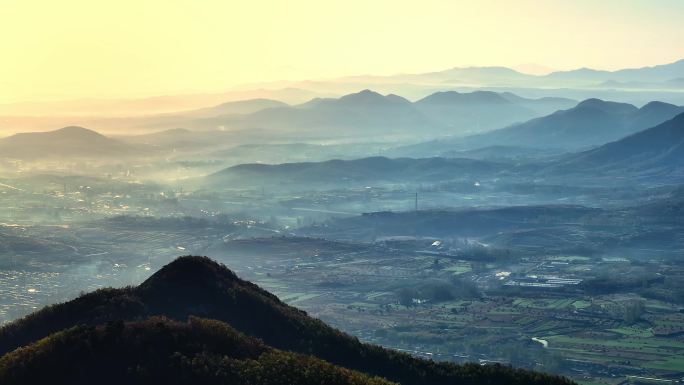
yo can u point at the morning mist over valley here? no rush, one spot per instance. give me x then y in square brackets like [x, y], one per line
[342, 192]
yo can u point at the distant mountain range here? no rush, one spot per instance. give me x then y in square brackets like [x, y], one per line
[503, 76]
[360, 114]
[660, 73]
[222, 347]
[637, 86]
[368, 113]
[592, 122]
[365, 113]
[655, 151]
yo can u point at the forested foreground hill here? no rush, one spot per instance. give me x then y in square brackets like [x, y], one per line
[210, 351]
[160, 351]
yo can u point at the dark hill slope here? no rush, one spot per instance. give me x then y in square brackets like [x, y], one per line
[659, 147]
[160, 351]
[357, 170]
[198, 286]
[592, 122]
[655, 155]
[668, 209]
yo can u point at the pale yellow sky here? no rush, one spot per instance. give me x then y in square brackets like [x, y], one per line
[62, 49]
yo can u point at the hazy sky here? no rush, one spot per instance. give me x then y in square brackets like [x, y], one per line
[56, 49]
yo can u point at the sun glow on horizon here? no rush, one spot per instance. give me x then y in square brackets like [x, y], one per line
[90, 49]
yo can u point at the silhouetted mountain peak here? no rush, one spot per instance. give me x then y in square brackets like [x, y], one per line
[190, 270]
[367, 94]
[605, 106]
[76, 130]
[200, 279]
[366, 100]
[453, 97]
[71, 133]
[656, 106]
[67, 142]
[365, 97]
[200, 267]
[591, 102]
